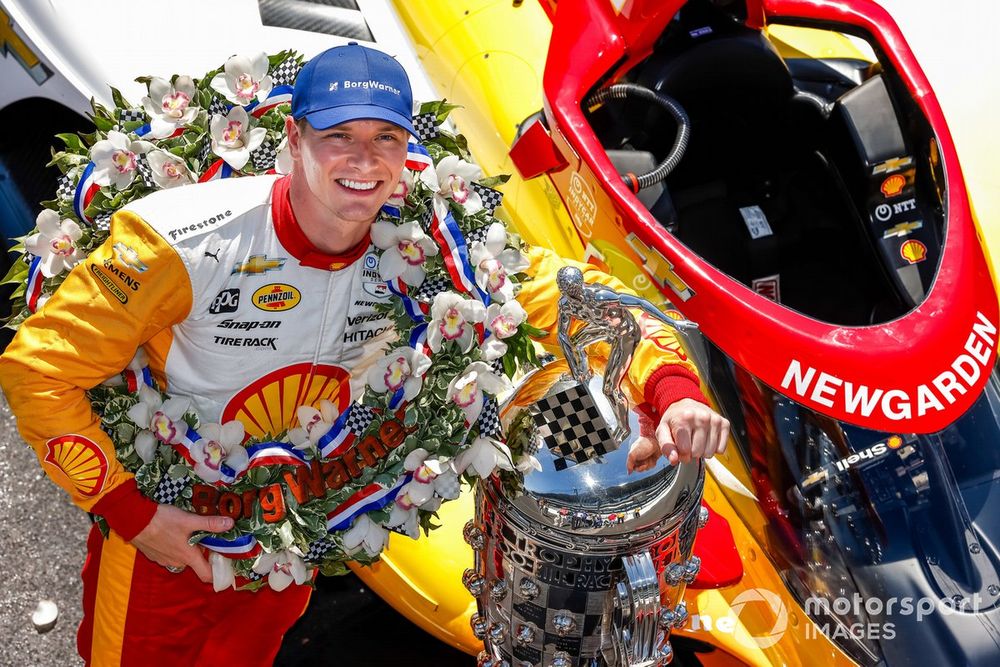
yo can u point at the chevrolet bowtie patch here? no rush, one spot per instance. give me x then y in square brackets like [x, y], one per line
[258, 264]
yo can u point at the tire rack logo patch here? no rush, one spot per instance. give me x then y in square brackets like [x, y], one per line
[276, 297]
[258, 264]
[81, 460]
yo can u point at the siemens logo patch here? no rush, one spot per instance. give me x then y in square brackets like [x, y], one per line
[181, 232]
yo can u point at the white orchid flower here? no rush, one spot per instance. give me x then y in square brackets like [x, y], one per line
[502, 321]
[494, 263]
[116, 159]
[169, 170]
[483, 456]
[281, 568]
[365, 534]
[313, 424]
[453, 318]
[404, 520]
[169, 105]
[466, 390]
[402, 368]
[243, 79]
[455, 177]
[429, 475]
[158, 420]
[55, 243]
[406, 247]
[283, 162]
[219, 443]
[526, 463]
[232, 138]
[222, 572]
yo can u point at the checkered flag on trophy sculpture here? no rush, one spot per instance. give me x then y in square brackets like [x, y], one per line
[426, 126]
[572, 427]
[169, 489]
[491, 198]
[285, 72]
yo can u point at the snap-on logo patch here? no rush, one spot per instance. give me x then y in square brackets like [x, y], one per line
[276, 297]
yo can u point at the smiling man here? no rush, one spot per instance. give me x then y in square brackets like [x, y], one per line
[192, 276]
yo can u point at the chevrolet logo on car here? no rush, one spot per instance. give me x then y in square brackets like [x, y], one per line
[258, 264]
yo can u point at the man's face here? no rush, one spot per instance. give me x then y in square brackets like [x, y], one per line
[351, 169]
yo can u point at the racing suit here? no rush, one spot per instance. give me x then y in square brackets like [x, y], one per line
[237, 311]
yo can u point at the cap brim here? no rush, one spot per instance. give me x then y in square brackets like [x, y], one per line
[327, 118]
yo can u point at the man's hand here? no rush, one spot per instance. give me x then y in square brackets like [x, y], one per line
[689, 430]
[165, 539]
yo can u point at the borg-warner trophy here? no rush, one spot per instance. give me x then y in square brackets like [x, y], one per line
[586, 563]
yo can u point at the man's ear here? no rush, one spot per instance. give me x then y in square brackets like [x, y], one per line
[292, 131]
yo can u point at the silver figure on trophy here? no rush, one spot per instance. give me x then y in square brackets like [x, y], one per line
[585, 564]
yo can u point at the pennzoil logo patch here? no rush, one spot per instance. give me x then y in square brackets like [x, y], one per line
[81, 460]
[276, 297]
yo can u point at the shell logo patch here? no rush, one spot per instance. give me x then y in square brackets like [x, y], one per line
[913, 251]
[276, 297]
[81, 460]
[267, 406]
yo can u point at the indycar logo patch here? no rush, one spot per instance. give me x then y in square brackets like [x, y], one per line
[81, 460]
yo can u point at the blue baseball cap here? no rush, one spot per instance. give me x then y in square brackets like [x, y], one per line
[353, 82]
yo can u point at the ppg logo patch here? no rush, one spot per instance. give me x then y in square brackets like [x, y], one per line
[227, 301]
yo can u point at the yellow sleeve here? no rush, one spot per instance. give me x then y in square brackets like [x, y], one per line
[130, 288]
[659, 347]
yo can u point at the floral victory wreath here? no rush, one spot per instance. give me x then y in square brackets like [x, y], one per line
[428, 417]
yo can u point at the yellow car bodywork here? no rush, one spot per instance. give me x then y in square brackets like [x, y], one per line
[489, 56]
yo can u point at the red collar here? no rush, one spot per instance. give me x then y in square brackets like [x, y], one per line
[294, 239]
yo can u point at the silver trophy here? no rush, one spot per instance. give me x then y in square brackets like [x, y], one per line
[586, 563]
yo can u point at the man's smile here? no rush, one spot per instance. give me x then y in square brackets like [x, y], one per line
[361, 186]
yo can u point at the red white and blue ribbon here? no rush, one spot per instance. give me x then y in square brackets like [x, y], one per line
[417, 157]
[219, 169]
[278, 95]
[339, 438]
[244, 546]
[456, 255]
[35, 278]
[413, 308]
[418, 338]
[135, 379]
[143, 130]
[274, 454]
[369, 499]
[86, 188]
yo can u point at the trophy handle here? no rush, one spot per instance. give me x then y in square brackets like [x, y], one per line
[635, 610]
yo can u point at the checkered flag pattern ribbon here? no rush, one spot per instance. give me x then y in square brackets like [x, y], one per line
[169, 489]
[285, 72]
[65, 188]
[360, 417]
[491, 198]
[131, 115]
[103, 222]
[217, 107]
[477, 234]
[318, 549]
[206, 150]
[264, 156]
[145, 171]
[426, 126]
[430, 288]
[489, 418]
[572, 427]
